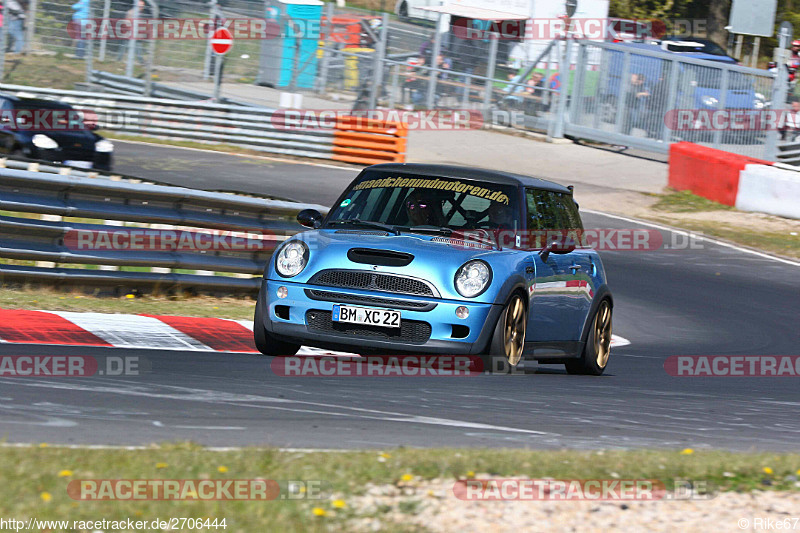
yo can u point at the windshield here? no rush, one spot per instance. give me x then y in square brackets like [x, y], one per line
[414, 201]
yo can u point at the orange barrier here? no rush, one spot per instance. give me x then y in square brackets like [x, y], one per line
[707, 172]
[368, 141]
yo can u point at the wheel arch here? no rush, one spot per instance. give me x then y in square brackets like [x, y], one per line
[603, 293]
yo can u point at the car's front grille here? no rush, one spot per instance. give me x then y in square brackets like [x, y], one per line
[372, 281]
[410, 331]
[411, 305]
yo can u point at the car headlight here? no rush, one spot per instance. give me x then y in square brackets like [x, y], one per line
[292, 259]
[44, 142]
[710, 101]
[473, 278]
[760, 101]
[103, 146]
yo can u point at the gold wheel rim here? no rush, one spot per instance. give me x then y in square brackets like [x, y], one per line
[514, 331]
[602, 334]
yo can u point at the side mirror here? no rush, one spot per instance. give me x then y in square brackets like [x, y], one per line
[556, 247]
[310, 218]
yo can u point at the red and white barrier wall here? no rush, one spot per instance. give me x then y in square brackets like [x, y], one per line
[747, 183]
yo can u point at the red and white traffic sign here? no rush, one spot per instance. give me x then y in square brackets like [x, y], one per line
[221, 41]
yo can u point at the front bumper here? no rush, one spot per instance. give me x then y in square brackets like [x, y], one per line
[98, 160]
[301, 319]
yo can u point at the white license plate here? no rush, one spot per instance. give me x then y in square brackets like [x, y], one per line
[79, 164]
[371, 317]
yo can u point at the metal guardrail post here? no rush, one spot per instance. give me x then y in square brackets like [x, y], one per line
[434, 74]
[723, 104]
[377, 69]
[132, 43]
[151, 56]
[672, 99]
[494, 40]
[622, 99]
[326, 50]
[89, 51]
[564, 73]
[30, 25]
[3, 41]
[101, 55]
[780, 91]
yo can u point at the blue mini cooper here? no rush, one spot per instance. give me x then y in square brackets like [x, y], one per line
[441, 260]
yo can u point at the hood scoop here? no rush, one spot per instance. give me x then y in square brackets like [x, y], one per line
[369, 256]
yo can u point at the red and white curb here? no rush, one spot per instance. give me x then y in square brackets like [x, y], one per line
[148, 332]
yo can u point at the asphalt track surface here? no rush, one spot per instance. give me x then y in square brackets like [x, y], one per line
[711, 301]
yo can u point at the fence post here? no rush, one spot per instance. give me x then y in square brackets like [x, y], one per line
[779, 94]
[30, 25]
[723, 101]
[494, 40]
[132, 43]
[101, 55]
[434, 72]
[327, 49]
[581, 64]
[561, 111]
[395, 84]
[151, 56]
[377, 69]
[672, 99]
[207, 57]
[89, 52]
[3, 41]
[624, 85]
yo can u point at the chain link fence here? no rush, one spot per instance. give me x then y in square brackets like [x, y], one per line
[624, 94]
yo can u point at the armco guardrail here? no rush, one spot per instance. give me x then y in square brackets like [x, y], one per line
[136, 235]
[255, 128]
[135, 86]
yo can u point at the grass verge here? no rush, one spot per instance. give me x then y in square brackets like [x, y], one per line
[36, 478]
[695, 213]
[686, 202]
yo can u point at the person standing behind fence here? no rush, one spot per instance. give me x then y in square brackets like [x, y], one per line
[129, 15]
[15, 16]
[81, 9]
[636, 103]
[790, 122]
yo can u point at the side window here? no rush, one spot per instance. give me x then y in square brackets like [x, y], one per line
[547, 210]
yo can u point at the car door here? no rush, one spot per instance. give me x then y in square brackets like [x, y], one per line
[563, 288]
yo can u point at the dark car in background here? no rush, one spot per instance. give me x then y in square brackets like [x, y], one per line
[52, 131]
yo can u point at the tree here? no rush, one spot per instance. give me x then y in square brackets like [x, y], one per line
[718, 15]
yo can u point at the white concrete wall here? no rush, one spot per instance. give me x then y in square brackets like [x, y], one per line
[768, 189]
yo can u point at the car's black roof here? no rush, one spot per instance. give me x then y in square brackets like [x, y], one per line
[481, 174]
[22, 102]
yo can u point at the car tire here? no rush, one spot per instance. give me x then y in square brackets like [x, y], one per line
[597, 350]
[266, 343]
[508, 339]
